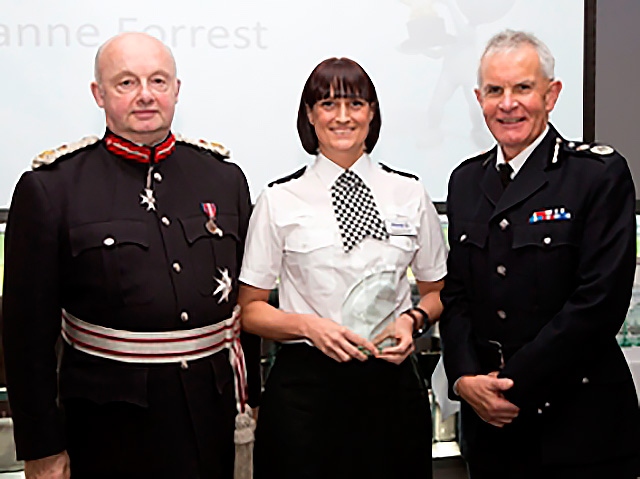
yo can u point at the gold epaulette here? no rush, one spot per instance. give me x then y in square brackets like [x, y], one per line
[49, 156]
[212, 146]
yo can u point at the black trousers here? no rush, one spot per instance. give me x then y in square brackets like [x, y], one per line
[324, 419]
[516, 453]
[179, 434]
[623, 468]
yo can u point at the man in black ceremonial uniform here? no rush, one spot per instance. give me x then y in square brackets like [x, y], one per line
[134, 243]
[542, 233]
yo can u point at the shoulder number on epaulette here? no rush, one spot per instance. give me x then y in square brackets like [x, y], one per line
[49, 156]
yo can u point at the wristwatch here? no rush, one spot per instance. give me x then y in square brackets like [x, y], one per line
[417, 315]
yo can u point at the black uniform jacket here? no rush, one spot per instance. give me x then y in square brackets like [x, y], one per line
[538, 285]
[78, 238]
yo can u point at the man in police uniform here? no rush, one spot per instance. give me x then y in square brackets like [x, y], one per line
[539, 280]
[136, 239]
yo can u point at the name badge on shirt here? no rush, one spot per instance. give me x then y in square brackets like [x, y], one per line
[400, 227]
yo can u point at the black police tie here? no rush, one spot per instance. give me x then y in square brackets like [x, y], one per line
[356, 211]
[505, 170]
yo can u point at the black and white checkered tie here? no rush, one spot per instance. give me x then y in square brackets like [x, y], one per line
[356, 211]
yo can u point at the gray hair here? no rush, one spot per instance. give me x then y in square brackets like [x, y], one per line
[512, 40]
[96, 62]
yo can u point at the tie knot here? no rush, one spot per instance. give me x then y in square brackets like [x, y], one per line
[348, 179]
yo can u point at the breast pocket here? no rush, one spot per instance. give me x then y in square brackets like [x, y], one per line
[309, 259]
[468, 255]
[108, 250]
[548, 253]
[208, 252]
[401, 251]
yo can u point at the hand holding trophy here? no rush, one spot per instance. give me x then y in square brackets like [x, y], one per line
[370, 305]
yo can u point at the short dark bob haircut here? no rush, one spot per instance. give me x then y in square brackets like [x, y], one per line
[345, 79]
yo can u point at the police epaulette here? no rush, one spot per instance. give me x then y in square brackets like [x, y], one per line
[587, 148]
[218, 149]
[397, 172]
[292, 176]
[49, 156]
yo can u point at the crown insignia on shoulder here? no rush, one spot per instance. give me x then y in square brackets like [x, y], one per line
[49, 156]
[217, 148]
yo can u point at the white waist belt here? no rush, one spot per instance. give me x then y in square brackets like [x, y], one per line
[161, 347]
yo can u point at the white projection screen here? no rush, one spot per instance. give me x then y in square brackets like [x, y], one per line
[243, 65]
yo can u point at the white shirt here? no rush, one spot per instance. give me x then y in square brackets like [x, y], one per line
[294, 235]
[517, 162]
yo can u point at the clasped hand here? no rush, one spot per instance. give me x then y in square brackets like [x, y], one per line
[484, 393]
[51, 467]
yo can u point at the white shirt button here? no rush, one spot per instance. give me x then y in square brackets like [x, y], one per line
[585, 380]
[184, 316]
[463, 237]
[501, 270]
[504, 224]
[546, 240]
[539, 411]
[109, 241]
[547, 404]
[502, 314]
[157, 176]
[165, 221]
[176, 267]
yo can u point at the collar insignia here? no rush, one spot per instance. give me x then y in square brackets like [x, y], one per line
[139, 153]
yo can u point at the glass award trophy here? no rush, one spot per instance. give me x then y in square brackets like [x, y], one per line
[370, 305]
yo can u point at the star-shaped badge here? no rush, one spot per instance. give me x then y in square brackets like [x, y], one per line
[147, 198]
[224, 285]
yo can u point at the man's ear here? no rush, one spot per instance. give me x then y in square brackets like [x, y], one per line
[178, 83]
[553, 92]
[478, 95]
[97, 92]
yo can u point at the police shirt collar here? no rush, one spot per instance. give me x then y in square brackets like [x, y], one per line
[328, 171]
[517, 162]
[145, 154]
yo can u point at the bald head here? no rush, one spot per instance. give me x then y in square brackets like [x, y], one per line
[124, 40]
[136, 86]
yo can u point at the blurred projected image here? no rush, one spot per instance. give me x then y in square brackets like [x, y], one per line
[455, 44]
